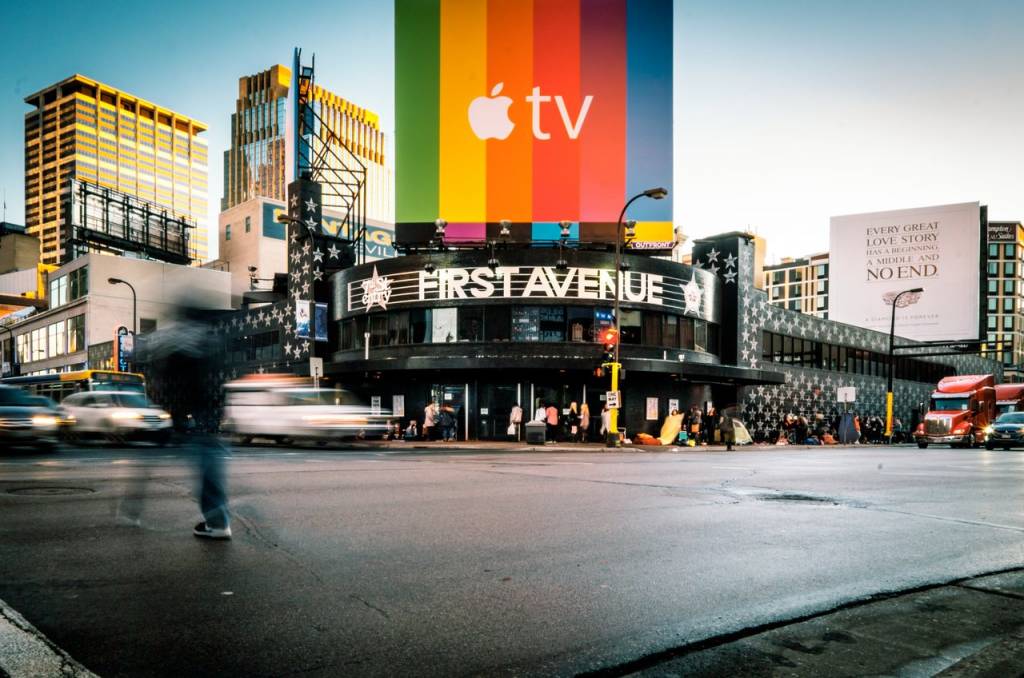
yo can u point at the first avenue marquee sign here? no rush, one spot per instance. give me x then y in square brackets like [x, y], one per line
[686, 295]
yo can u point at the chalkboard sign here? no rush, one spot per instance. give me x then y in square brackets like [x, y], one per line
[525, 323]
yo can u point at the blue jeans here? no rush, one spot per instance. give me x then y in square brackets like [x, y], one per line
[213, 495]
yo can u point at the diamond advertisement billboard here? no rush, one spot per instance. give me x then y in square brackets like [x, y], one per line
[535, 112]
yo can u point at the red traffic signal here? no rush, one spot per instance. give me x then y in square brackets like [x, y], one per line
[610, 337]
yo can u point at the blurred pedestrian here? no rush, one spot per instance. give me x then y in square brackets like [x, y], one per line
[728, 428]
[410, 431]
[606, 421]
[448, 423]
[551, 417]
[572, 421]
[182, 356]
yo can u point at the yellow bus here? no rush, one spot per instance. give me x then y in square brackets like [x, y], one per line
[58, 385]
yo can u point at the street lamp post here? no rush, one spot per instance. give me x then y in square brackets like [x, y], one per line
[613, 413]
[135, 319]
[892, 333]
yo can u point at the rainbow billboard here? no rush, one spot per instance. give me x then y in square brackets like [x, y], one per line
[533, 111]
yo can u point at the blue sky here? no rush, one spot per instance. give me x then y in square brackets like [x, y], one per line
[786, 112]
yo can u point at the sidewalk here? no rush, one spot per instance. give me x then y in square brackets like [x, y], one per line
[971, 627]
[512, 446]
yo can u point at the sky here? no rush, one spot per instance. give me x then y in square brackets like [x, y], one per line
[786, 112]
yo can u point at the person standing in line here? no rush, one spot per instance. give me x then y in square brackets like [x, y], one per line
[515, 419]
[551, 416]
[429, 416]
[606, 421]
[584, 422]
[727, 428]
[572, 422]
[541, 414]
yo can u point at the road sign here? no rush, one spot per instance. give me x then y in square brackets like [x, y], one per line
[316, 367]
[846, 394]
[611, 398]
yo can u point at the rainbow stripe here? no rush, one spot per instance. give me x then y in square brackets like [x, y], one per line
[449, 52]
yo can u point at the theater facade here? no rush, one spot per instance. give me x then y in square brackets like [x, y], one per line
[483, 329]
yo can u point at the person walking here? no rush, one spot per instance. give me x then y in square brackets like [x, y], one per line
[429, 419]
[448, 424]
[515, 420]
[584, 422]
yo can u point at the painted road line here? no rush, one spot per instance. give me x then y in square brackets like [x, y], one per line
[27, 653]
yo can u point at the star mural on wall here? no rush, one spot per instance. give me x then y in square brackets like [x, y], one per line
[713, 255]
[310, 205]
[318, 255]
[333, 251]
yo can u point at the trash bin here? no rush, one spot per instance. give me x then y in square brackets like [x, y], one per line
[535, 432]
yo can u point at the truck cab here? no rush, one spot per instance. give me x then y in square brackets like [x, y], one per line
[959, 411]
[1009, 398]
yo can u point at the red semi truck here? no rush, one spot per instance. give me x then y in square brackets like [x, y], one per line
[960, 410]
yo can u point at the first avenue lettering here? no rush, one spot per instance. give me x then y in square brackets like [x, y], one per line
[506, 282]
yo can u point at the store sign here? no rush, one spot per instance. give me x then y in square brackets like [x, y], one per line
[687, 295]
[876, 256]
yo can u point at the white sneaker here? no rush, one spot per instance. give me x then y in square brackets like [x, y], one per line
[204, 530]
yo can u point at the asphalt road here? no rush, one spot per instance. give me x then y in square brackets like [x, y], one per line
[384, 563]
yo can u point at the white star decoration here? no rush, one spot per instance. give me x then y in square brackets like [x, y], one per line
[730, 277]
[310, 205]
[730, 261]
[713, 255]
[333, 251]
[311, 222]
[294, 201]
[318, 255]
[318, 274]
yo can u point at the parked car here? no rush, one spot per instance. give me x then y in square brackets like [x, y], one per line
[118, 416]
[1007, 431]
[24, 422]
[283, 411]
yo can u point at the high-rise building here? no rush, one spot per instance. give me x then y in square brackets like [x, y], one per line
[799, 284]
[254, 166]
[1004, 339]
[81, 129]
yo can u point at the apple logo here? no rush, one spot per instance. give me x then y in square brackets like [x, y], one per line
[488, 116]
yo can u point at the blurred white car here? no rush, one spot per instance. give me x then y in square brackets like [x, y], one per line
[280, 410]
[118, 415]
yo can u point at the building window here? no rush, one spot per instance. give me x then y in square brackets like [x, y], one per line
[992, 322]
[993, 286]
[471, 324]
[227, 231]
[1007, 305]
[1007, 322]
[1009, 268]
[993, 251]
[525, 323]
[794, 291]
[993, 268]
[378, 329]
[76, 333]
[248, 224]
[398, 328]
[1008, 286]
[629, 328]
[579, 323]
[778, 277]
[795, 275]
[1008, 251]
[496, 323]
[670, 333]
[700, 335]
[420, 325]
[992, 304]
[445, 325]
[822, 270]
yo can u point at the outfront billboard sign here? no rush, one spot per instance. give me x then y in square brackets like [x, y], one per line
[534, 112]
[873, 257]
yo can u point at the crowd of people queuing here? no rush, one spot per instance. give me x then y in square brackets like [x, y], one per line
[799, 430]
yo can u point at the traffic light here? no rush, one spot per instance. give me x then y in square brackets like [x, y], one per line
[609, 339]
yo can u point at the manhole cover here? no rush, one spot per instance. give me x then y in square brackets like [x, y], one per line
[49, 491]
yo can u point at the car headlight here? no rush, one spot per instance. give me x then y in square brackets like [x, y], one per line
[988, 430]
[125, 414]
[44, 420]
[164, 415]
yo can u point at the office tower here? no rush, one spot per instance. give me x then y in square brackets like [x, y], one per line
[254, 166]
[81, 129]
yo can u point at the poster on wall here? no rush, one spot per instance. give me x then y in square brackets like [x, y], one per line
[320, 321]
[398, 405]
[673, 404]
[652, 409]
[874, 257]
[375, 405]
[301, 319]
